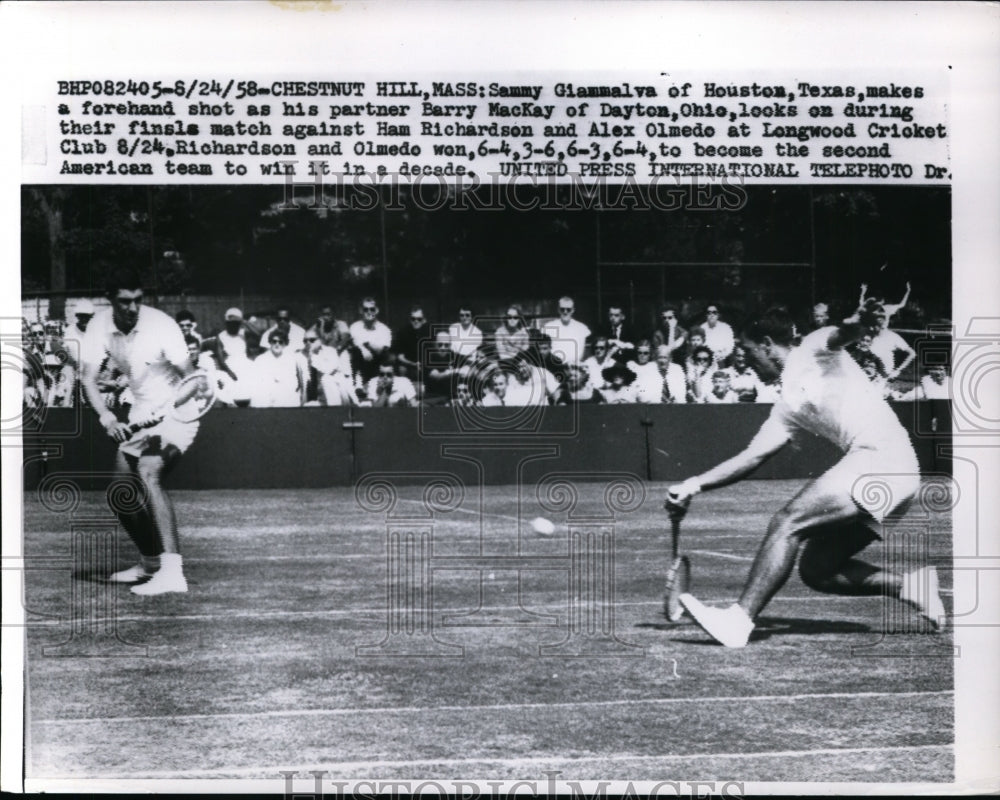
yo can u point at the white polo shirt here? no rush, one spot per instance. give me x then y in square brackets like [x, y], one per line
[568, 339]
[152, 356]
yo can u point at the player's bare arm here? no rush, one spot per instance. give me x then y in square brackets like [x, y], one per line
[119, 431]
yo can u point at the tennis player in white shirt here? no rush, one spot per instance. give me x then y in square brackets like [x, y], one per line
[149, 349]
[835, 516]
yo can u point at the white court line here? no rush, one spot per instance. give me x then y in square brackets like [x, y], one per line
[303, 770]
[227, 614]
[341, 712]
[728, 556]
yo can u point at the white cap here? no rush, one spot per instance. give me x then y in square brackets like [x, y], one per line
[235, 314]
[83, 306]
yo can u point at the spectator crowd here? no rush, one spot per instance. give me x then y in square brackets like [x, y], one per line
[473, 360]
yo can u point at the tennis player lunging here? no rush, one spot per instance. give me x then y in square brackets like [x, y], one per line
[836, 515]
[148, 347]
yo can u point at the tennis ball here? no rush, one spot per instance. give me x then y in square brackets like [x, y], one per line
[542, 526]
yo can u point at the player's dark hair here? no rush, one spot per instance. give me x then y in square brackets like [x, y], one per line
[128, 278]
[776, 323]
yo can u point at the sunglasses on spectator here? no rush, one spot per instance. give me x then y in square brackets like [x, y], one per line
[702, 359]
[416, 319]
[565, 310]
[644, 352]
[465, 313]
[712, 311]
[310, 339]
[513, 316]
[369, 308]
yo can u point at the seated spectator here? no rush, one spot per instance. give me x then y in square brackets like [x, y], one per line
[440, 371]
[408, 341]
[567, 335]
[511, 337]
[230, 351]
[621, 338]
[673, 385]
[283, 322]
[58, 382]
[369, 337]
[83, 311]
[329, 372]
[618, 380]
[389, 389]
[718, 334]
[543, 355]
[577, 388]
[648, 380]
[466, 338]
[476, 371]
[669, 334]
[188, 325]
[531, 384]
[695, 339]
[203, 361]
[743, 379]
[934, 385]
[279, 375]
[331, 331]
[463, 395]
[721, 391]
[497, 393]
[698, 373]
[600, 358]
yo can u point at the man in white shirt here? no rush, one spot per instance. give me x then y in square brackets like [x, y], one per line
[369, 338]
[148, 348]
[292, 330]
[569, 336]
[465, 336]
[673, 384]
[389, 389]
[718, 334]
[838, 514]
[279, 375]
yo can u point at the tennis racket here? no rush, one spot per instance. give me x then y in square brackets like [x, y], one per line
[194, 397]
[679, 574]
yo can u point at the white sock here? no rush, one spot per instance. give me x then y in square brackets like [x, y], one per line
[150, 563]
[172, 563]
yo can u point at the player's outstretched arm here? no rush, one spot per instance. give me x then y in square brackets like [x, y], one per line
[771, 437]
[892, 309]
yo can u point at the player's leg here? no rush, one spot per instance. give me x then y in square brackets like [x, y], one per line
[820, 503]
[170, 577]
[827, 562]
[138, 524]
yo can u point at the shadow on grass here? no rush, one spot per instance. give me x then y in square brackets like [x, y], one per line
[766, 628]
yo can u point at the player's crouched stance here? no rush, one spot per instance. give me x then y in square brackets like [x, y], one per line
[832, 518]
[148, 347]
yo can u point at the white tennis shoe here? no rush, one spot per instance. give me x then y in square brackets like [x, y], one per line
[728, 626]
[130, 575]
[921, 590]
[161, 583]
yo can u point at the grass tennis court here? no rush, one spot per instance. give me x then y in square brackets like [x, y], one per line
[258, 669]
